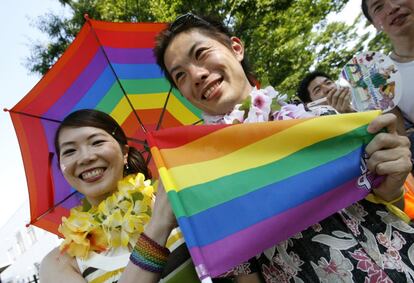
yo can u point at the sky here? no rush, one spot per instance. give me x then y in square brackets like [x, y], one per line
[18, 32]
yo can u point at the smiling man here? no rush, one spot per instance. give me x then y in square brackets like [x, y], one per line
[318, 88]
[396, 19]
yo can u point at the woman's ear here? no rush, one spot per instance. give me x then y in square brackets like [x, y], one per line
[125, 151]
[237, 47]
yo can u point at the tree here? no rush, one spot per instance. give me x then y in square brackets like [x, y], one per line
[283, 38]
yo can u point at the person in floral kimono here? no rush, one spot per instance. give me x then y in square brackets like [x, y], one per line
[367, 241]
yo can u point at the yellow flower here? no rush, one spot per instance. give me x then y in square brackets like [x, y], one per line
[106, 206]
[98, 240]
[116, 221]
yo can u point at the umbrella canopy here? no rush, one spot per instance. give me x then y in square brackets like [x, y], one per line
[109, 67]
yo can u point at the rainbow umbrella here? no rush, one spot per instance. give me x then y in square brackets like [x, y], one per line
[109, 67]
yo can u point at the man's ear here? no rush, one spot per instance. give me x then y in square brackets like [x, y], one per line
[238, 48]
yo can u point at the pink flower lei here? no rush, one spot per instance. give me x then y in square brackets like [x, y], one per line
[262, 105]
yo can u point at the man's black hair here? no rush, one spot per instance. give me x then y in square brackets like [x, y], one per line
[364, 7]
[303, 92]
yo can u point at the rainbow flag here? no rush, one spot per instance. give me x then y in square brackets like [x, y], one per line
[239, 189]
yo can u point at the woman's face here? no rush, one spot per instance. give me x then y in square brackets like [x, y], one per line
[206, 72]
[394, 17]
[91, 161]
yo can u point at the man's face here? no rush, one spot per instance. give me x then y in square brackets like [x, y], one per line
[394, 17]
[207, 73]
[319, 87]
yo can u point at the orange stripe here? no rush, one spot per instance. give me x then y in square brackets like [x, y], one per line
[157, 157]
[409, 196]
[229, 141]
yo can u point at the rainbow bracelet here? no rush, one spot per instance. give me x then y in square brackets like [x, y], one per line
[149, 255]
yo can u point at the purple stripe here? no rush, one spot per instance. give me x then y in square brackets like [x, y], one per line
[224, 254]
[130, 55]
[77, 90]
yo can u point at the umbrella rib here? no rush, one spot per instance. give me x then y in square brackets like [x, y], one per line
[33, 116]
[117, 78]
[198, 122]
[164, 108]
[52, 208]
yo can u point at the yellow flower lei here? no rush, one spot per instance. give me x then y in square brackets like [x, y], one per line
[117, 221]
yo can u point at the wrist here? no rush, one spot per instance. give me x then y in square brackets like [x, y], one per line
[391, 198]
[158, 231]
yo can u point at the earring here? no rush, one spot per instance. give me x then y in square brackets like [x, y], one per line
[126, 167]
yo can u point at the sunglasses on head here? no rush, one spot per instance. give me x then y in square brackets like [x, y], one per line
[183, 20]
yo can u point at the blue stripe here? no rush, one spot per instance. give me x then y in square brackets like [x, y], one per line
[233, 216]
[107, 81]
[137, 71]
[98, 91]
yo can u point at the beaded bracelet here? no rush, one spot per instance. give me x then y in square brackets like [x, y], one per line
[149, 255]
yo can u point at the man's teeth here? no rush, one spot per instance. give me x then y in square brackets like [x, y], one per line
[92, 174]
[211, 89]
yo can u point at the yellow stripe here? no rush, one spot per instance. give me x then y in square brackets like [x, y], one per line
[268, 149]
[166, 179]
[108, 275]
[153, 101]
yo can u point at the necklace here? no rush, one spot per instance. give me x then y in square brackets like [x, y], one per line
[115, 222]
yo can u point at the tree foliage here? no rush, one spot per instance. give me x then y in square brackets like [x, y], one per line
[284, 39]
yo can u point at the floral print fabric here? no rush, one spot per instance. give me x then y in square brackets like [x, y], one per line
[361, 243]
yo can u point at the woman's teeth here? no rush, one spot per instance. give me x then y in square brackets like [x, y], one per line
[92, 174]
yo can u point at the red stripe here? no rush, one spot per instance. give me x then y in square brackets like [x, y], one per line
[52, 220]
[34, 151]
[61, 76]
[168, 138]
[133, 27]
[127, 39]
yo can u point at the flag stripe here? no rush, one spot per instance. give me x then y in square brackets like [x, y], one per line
[215, 147]
[207, 195]
[207, 231]
[227, 252]
[263, 152]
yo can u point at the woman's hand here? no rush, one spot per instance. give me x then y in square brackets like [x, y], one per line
[162, 220]
[389, 156]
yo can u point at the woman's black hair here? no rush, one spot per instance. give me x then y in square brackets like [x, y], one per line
[206, 25]
[101, 120]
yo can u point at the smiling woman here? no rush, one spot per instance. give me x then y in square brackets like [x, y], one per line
[100, 235]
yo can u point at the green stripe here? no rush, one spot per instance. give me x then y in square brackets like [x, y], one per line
[139, 87]
[204, 196]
